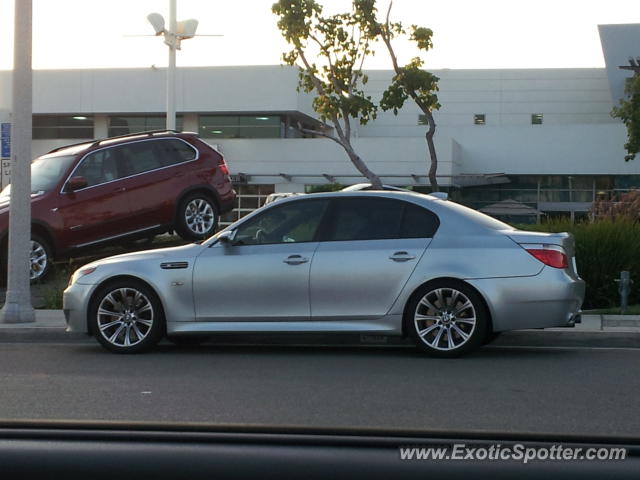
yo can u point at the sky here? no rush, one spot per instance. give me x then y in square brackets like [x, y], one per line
[467, 33]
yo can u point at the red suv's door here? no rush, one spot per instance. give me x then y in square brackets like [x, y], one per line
[159, 170]
[99, 211]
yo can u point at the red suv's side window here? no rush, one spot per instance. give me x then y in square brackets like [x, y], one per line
[100, 167]
[176, 151]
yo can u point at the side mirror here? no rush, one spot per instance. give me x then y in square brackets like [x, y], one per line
[76, 183]
[227, 237]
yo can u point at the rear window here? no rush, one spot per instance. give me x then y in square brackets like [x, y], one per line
[368, 218]
[175, 151]
[477, 217]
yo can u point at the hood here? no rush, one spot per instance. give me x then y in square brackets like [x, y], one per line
[5, 200]
[183, 252]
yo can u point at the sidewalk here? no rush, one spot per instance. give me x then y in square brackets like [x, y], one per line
[594, 331]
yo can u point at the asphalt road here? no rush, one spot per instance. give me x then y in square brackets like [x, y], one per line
[546, 390]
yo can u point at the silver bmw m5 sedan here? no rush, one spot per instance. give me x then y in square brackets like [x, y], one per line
[370, 262]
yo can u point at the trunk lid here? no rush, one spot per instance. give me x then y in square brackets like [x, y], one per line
[563, 239]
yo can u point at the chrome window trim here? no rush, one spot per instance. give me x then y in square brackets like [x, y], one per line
[105, 239]
[62, 192]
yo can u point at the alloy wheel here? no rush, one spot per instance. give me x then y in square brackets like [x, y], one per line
[445, 319]
[199, 216]
[125, 317]
[39, 260]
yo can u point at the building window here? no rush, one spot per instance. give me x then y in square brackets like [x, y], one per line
[479, 119]
[125, 125]
[536, 119]
[248, 198]
[240, 126]
[47, 127]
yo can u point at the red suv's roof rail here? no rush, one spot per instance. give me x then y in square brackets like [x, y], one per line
[94, 143]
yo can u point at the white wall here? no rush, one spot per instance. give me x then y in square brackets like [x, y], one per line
[206, 89]
[578, 135]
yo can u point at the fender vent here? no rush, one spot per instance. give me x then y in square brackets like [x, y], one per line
[173, 265]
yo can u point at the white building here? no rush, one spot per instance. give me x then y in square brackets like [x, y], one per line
[544, 137]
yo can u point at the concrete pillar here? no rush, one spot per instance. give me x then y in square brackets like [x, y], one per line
[17, 307]
[100, 126]
[190, 122]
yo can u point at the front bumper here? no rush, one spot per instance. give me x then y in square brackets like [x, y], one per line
[75, 302]
[550, 299]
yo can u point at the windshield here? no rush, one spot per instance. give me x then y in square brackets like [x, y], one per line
[46, 172]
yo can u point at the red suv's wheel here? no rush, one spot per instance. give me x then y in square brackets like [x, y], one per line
[40, 259]
[197, 217]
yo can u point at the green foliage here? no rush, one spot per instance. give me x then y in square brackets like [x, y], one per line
[329, 52]
[410, 80]
[328, 187]
[629, 112]
[53, 289]
[603, 250]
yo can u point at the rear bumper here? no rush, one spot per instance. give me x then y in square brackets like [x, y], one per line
[550, 299]
[228, 202]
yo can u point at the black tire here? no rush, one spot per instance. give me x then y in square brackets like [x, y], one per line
[201, 206]
[129, 318]
[447, 320]
[187, 340]
[41, 259]
[491, 336]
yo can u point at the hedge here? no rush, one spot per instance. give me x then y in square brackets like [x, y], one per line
[603, 249]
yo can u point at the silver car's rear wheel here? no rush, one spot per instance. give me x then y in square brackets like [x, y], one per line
[447, 319]
[127, 317]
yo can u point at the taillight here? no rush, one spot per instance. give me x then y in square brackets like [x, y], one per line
[222, 165]
[549, 256]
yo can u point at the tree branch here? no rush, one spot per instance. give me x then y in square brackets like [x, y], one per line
[316, 81]
[319, 133]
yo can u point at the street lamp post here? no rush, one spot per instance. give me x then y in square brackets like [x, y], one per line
[177, 32]
[17, 307]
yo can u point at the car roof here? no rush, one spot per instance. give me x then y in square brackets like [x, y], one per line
[84, 146]
[440, 206]
[367, 186]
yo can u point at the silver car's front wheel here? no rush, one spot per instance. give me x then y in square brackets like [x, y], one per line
[447, 319]
[127, 317]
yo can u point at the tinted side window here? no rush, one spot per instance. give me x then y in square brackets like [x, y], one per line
[418, 222]
[175, 151]
[366, 219]
[100, 167]
[142, 156]
[290, 223]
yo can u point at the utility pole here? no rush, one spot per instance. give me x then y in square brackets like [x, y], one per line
[171, 40]
[173, 37]
[17, 307]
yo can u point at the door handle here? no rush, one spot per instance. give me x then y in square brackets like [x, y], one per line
[295, 259]
[401, 257]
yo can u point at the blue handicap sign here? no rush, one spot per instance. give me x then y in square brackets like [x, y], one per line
[5, 140]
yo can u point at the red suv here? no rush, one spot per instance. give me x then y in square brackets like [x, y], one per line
[121, 188]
